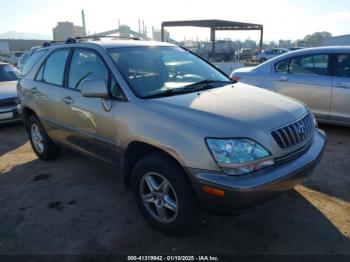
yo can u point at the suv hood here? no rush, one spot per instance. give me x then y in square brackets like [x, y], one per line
[8, 89]
[233, 107]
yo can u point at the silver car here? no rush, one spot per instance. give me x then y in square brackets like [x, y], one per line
[184, 137]
[268, 54]
[319, 77]
[8, 94]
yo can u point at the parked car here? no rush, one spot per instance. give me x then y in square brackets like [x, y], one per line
[268, 54]
[319, 77]
[8, 94]
[295, 48]
[12, 58]
[224, 51]
[5, 58]
[245, 54]
[22, 60]
[183, 135]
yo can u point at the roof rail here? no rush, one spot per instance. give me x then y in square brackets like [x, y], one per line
[97, 37]
[50, 43]
[73, 40]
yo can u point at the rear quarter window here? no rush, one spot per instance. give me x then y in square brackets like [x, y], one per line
[32, 60]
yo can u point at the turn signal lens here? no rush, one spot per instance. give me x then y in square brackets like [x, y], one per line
[235, 78]
[213, 191]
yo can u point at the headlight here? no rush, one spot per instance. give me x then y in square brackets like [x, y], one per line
[239, 156]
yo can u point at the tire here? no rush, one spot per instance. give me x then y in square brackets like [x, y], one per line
[42, 145]
[174, 219]
[262, 60]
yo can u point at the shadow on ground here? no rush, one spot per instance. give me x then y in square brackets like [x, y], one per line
[77, 206]
[11, 137]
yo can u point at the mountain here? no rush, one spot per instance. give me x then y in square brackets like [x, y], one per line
[24, 35]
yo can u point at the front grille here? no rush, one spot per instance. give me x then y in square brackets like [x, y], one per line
[295, 154]
[8, 102]
[295, 133]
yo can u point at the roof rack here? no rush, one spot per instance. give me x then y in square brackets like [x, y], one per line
[73, 40]
[97, 37]
[50, 43]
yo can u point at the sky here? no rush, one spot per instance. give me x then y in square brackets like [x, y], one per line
[282, 19]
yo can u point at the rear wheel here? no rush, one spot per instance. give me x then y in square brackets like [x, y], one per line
[164, 195]
[42, 145]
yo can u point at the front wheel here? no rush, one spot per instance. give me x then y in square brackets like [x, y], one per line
[164, 195]
[42, 145]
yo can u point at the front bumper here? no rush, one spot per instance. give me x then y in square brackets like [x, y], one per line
[9, 114]
[246, 191]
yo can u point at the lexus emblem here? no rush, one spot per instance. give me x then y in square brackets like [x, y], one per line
[302, 130]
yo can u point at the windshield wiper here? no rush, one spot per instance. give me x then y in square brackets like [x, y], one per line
[169, 92]
[205, 84]
[198, 86]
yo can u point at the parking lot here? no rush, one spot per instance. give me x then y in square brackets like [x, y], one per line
[75, 205]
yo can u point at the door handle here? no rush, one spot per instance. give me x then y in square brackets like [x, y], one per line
[68, 100]
[34, 90]
[283, 79]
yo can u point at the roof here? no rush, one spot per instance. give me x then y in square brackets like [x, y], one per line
[330, 49]
[306, 51]
[214, 23]
[126, 43]
[109, 43]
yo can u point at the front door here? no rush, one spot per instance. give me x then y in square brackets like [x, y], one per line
[89, 121]
[307, 79]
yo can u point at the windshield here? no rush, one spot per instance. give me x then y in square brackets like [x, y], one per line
[8, 73]
[158, 70]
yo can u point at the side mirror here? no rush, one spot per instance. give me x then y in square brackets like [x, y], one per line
[94, 88]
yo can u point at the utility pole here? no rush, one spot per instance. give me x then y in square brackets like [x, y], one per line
[84, 23]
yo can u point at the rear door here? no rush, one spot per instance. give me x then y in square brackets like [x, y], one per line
[340, 106]
[47, 91]
[89, 121]
[306, 78]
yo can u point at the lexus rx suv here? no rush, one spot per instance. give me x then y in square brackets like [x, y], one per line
[184, 136]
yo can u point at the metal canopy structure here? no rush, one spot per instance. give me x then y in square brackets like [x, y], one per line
[216, 25]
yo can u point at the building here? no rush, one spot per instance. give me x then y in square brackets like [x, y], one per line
[157, 35]
[340, 40]
[4, 47]
[64, 30]
[11, 45]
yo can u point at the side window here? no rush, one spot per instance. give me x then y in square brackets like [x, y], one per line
[342, 65]
[282, 66]
[86, 64]
[314, 65]
[55, 66]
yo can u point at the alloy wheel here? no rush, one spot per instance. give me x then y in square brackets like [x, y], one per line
[159, 197]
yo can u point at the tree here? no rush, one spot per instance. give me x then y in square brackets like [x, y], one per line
[316, 39]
